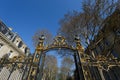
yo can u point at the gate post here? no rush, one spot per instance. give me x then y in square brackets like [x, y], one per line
[36, 58]
[39, 77]
[77, 58]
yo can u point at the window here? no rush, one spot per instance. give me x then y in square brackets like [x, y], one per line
[14, 39]
[4, 31]
[10, 52]
[26, 50]
[20, 44]
[2, 27]
[9, 35]
[1, 45]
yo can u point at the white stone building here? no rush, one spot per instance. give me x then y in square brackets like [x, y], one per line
[10, 43]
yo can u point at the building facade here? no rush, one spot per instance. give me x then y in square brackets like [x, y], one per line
[10, 43]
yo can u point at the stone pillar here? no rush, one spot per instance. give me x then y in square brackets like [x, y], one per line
[13, 37]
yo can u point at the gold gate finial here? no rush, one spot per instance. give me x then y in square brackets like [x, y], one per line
[40, 45]
[78, 44]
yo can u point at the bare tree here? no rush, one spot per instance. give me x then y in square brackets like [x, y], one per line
[66, 67]
[87, 23]
[78, 24]
[50, 68]
[68, 25]
[38, 33]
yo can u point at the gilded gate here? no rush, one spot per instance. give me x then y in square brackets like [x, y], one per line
[31, 67]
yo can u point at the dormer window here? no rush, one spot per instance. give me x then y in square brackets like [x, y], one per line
[10, 35]
[2, 27]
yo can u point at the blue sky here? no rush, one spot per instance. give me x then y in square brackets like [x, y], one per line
[27, 16]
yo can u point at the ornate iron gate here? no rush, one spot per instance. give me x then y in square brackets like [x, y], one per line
[36, 70]
[31, 68]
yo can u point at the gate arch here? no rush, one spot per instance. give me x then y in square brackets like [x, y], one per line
[59, 42]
